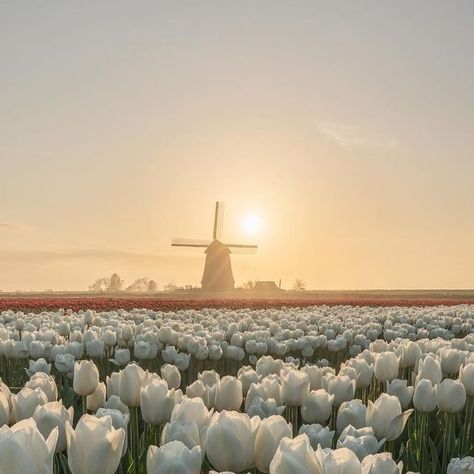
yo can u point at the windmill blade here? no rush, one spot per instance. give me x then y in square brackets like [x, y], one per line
[218, 221]
[190, 243]
[244, 250]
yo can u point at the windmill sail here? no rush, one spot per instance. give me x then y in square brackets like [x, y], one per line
[217, 275]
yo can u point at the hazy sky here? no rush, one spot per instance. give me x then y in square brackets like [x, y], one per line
[347, 126]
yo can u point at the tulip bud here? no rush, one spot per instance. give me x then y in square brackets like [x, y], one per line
[424, 398]
[24, 450]
[52, 416]
[272, 430]
[86, 378]
[317, 407]
[295, 456]
[450, 396]
[94, 447]
[173, 457]
[230, 441]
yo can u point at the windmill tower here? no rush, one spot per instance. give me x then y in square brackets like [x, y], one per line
[217, 275]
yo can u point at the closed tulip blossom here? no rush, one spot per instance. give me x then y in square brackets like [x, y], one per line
[25, 402]
[94, 447]
[450, 396]
[271, 431]
[192, 409]
[342, 387]
[317, 407]
[400, 389]
[185, 431]
[39, 365]
[466, 376]
[386, 418]
[46, 383]
[351, 413]
[132, 380]
[64, 363]
[382, 463]
[119, 420]
[264, 408]
[23, 449]
[295, 456]
[122, 357]
[386, 366]
[450, 360]
[409, 355]
[171, 374]
[247, 376]
[230, 441]
[340, 460]
[86, 378]
[97, 399]
[361, 441]
[318, 435]
[429, 368]
[172, 458]
[424, 397]
[294, 387]
[228, 394]
[461, 466]
[157, 402]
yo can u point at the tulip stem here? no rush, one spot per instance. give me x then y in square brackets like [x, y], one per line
[84, 405]
[135, 453]
[446, 442]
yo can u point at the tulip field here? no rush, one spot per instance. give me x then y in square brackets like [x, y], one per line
[322, 389]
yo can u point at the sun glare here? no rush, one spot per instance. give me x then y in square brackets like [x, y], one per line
[252, 224]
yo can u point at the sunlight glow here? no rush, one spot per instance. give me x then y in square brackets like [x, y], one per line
[252, 224]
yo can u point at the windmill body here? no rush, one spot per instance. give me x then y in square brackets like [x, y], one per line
[217, 275]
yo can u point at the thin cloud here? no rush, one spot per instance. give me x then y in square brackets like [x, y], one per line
[349, 136]
[51, 256]
[9, 225]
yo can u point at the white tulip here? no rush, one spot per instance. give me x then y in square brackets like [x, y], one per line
[24, 403]
[318, 435]
[386, 366]
[172, 458]
[86, 378]
[171, 374]
[381, 464]
[157, 402]
[228, 394]
[294, 387]
[361, 441]
[96, 399]
[424, 398]
[341, 460]
[132, 379]
[46, 383]
[351, 413]
[23, 450]
[230, 441]
[53, 415]
[94, 447]
[400, 389]
[450, 396]
[295, 456]
[271, 431]
[317, 407]
[386, 418]
[466, 376]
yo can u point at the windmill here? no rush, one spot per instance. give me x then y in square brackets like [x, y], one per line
[217, 275]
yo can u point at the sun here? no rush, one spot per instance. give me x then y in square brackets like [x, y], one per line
[251, 224]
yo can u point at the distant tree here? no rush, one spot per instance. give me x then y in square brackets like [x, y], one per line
[170, 287]
[299, 285]
[100, 285]
[139, 286]
[152, 286]
[116, 283]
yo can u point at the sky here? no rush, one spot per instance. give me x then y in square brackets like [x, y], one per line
[347, 127]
